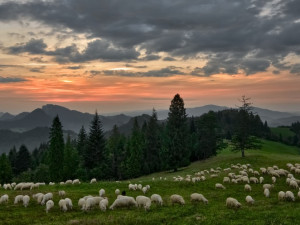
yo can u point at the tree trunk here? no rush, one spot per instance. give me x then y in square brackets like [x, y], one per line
[243, 153]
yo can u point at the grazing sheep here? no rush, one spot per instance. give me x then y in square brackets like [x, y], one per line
[247, 187]
[261, 180]
[148, 187]
[143, 201]
[62, 183]
[249, 200]
[267, 192]
[47, 197]
[294, 184]
[103, 204]
[253, 180]
[144, 190]
[68, 182]
[117, 191]
[51, 183]
[268, 186]
[298, 194]
[89, 204]
[289, 196]
[81, 203]
[156, 198]
[132, 187]
[274, 180]
[233, 203]
[281, 196]
[76, 181]
[69, 203]
[97, 200]
[226, 180]
[18, 199]
[101, 192]
[139, 186]
[123, 201]
[177, 199]
[61, 194]
[49, 205]
[219, 186]
[256, 173]
[40, 198]
[198, 197]
[93, 181]
[62, 205]
[245, 179]
[26, 200]
[4, 198]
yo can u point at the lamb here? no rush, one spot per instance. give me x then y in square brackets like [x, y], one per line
[117, 191]
[61, 194]
[93, 181]
[123, 201]
[268, 186]
[69, 203]
[226, 180]
[233, 203]
[49, 205]
[261, 180]
[143, 201]
[103, 204]
[289, 196]
[63, 205]
[267, 192]
[18, 199]
[177, 199]
[219, 186]
[26, 200]
[199, 198]
[4, 198]
[274, 180]
[101, 192]
[47, 197]
[249, 200]
[281, 196]
[156, 198]
[247, 187]
[144, 190]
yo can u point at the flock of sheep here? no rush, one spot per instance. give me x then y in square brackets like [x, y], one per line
[243, 174]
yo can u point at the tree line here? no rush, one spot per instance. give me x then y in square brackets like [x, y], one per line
[151, 147]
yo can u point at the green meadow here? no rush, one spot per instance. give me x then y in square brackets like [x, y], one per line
[264, 211]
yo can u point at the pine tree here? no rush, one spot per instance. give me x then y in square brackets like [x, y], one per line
[5, 170]
[12, 156]
[177, 134]
[81, 142]
[56, 151]
[23, 160]
[94, 152]
[71, 160]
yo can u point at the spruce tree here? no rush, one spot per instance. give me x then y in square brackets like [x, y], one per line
[71, 160]
[81, 142]
[177, 134]
[5, 170]
[12, 156]
[56, 151]
[94, 152]
[23, 160]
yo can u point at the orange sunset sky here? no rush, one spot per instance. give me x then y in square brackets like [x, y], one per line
[116, 57]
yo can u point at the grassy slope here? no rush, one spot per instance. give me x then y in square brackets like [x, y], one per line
[265, 210]
[284, 131]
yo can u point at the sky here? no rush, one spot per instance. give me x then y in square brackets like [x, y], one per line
[117, 56]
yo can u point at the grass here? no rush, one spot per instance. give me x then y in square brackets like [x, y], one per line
[265, 211]
[284, 131]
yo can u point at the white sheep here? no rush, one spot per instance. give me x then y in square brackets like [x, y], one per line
[249, 200]
[226, 180]
[268, 186]
[4, 199]
[247, 187]
[49, 205]
[144, 190]
[69, 203]
[281, 196]
[232, 203]
[294, 184]
[148, 187]
[61, 194]
[93, 181]
[274, 180]
[177, 199]
[219, 186]
[76, 181]
[89, 204]
[18, 199]
[62, 183]
[51, 183]
[81, 203]
[123, 201]
[97, 199]
[289, 196]
[47, 197]
[261, 180]
[69, 182]
[253, 180]
[40, 198]
[26, 200]
[62, 205]
[139, 186]
[103, 204]
[198, 197]
[117, 191]
[101, 192]
[267, 192]
[132, 187]
[143, 201]
[156, 198]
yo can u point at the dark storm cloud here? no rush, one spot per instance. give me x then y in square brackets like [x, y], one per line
[11, 79]
[177, 27]
[34, 46]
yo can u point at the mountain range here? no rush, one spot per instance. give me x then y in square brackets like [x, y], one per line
[32, 128]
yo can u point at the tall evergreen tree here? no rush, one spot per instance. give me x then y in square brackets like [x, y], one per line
[5, 169]
[12, 156]
[177, 134]
[71, 160]
[56, 151]
[81, 142]
[23, 160]
[94, 152]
